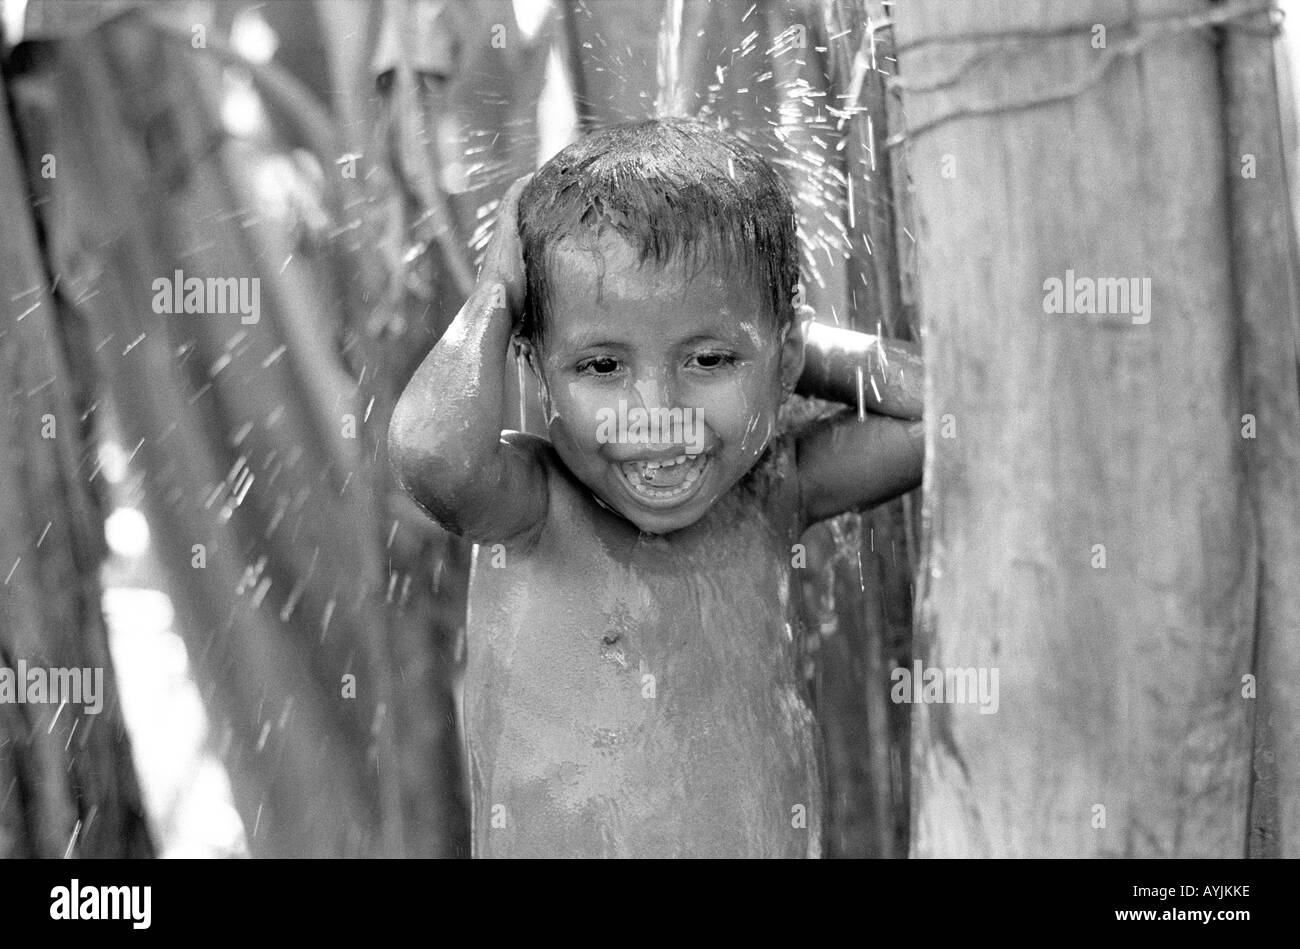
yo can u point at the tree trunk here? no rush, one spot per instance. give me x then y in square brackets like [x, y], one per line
[67, 783]
[1265, 268]
[1090, 534]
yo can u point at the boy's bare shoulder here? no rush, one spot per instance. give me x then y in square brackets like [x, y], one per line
[565, 495]
[773, 482]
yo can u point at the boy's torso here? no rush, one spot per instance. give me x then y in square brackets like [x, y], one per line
[628, 695]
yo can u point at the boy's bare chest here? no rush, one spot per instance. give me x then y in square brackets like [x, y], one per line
[640, 680]
[712, 605]
[598, 598]
[623, 630]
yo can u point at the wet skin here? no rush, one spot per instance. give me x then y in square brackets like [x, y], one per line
[659, 339]
[632, 685]
[643, 699]
[628, 694]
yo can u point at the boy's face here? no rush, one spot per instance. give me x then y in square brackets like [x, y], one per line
[625, 345]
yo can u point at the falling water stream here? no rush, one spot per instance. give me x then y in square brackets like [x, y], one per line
[668, 101]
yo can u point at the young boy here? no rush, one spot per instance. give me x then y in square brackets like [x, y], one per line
[631, 686]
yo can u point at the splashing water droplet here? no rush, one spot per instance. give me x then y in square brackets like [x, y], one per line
[523, 389]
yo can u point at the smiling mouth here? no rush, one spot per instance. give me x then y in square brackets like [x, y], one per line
[664, 482]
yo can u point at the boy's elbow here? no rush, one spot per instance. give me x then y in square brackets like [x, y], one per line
[403, 443]
[424, 466]
[459, 491]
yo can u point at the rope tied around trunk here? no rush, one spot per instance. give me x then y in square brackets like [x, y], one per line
[1147, 30]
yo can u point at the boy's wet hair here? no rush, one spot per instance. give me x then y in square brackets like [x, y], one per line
[674, 189]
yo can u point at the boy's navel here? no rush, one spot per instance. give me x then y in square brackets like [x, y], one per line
[611, 651]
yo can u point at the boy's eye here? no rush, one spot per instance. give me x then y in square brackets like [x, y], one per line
[599, 366]
[712, 360]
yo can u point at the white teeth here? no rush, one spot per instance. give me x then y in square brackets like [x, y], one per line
[636, 474]
[664, 463]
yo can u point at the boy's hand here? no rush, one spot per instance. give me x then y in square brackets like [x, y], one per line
[864, 457]
[445, 439]
[503, 263]
[870, 373]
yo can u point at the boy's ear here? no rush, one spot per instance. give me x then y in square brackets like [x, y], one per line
[792, 350]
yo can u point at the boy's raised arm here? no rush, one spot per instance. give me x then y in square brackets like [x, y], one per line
[840, 363]
[445, 439]
[875, 452]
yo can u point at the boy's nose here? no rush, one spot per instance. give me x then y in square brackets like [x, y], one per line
[657, 391]
[650, 390]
